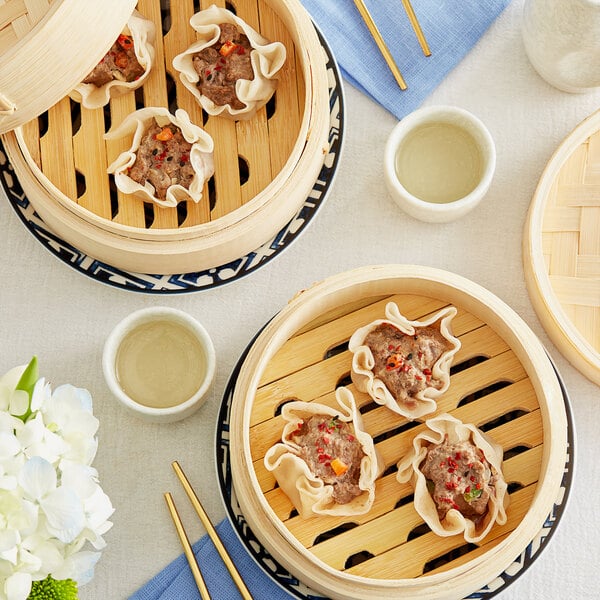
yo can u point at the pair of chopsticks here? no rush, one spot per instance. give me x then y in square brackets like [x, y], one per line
[412, 17]
[214, 536]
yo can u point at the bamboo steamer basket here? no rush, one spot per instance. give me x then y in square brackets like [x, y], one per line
[502, 380]
[264, 167]
[561, 248]
[47, 47]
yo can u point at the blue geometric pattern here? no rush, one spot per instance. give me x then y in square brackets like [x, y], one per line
[201, 280]
[297, 588]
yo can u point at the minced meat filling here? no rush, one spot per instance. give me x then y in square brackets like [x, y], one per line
[120, 62]
[332, 453]
[460, 477]
[404, 362]
[222, 64]
[163, 159]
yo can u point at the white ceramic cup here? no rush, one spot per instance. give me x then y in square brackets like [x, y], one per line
[128, 325]
[439, 212]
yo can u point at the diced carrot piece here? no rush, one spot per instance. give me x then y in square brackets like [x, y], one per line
[227, 48]
[339, 467]
[165, 135]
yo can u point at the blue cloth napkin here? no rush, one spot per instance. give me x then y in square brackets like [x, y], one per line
[451, 27]
[175, 581]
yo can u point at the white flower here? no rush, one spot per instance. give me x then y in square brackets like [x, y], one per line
[51, 504]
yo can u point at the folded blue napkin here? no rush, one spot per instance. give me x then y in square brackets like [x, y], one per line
[451, 27]
[175, 581]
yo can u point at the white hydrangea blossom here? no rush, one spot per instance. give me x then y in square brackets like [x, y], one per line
[51, 503]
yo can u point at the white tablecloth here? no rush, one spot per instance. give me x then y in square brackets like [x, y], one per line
[49, 309]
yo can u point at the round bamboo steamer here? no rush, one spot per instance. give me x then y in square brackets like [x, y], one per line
[283, 152]
[561, 248]
[47, 47]
[502, 380]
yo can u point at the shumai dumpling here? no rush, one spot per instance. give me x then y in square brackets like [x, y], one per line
[231, 69]
[402, 364]
[169, 160]
[456, 473]
[123, 68]
[326, 463]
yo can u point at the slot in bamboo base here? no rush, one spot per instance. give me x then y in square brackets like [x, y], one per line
[390, 548]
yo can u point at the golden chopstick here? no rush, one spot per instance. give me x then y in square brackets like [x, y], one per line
[187, 548]
[417, 27]
[368, 19]
[214, 536]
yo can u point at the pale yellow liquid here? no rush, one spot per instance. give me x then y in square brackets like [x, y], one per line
[439, 163]
[160, 364]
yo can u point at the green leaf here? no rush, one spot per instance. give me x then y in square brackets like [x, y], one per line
[27, 382]
[472, 495]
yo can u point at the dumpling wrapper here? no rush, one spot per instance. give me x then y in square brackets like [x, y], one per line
[201, 155]
[308, 493]
[143, 33]
[266, 57]
[454, 523]
[363, 362]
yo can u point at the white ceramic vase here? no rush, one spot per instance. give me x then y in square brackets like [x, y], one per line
[562, 41]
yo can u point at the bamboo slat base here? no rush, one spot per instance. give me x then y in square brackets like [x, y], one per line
[562, 248]
[491, 387]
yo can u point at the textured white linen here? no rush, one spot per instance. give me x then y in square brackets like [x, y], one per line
[49, 309]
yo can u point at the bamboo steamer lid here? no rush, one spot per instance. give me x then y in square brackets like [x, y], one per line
[47, 47]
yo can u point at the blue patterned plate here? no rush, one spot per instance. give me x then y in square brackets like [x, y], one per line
[295, 587]
[200, 280]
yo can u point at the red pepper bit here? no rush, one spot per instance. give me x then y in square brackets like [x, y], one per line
[351, 438]
[467, 489]
[458, 456]
[472, 478]
[478, 486]
[241, 50]
[451, 470]
[391, 348]
[451, 485]
[125, 42]
[418, 378]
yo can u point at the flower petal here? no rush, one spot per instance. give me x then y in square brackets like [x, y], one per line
[64, 512]
[37, 478]
[79, 567]
[19, 403]
[18, 586]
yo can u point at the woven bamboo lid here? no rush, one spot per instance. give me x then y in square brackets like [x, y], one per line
[47, 47]
[561, 248]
